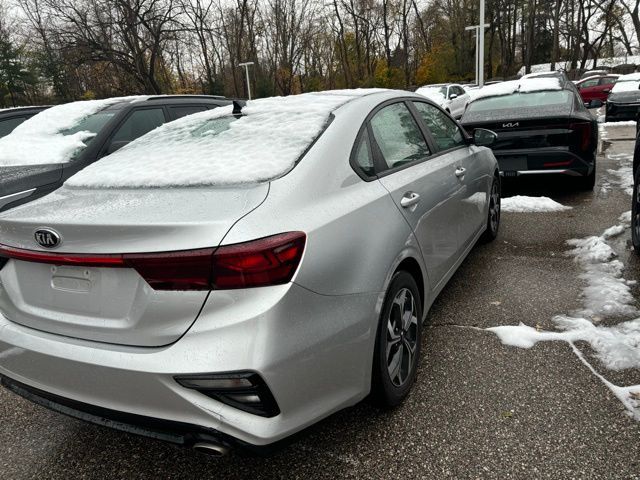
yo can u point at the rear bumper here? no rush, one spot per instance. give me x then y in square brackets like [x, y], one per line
[551, 161]
[621, 112]
[314, 353]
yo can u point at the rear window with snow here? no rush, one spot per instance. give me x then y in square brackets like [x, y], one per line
[626, 85]
[217, 148]
[526, 100]
[57, 134]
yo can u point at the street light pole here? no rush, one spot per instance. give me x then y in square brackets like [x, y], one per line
[481, 46]
[477, 35]
[246, 70]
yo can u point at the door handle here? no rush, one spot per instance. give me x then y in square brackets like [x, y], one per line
[409, 198]
[460, 171]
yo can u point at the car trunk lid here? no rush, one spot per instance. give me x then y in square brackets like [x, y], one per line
[95, 302]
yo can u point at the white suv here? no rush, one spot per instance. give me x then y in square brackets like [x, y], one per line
[450, 96]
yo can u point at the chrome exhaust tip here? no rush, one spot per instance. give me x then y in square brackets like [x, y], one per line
[211, 449]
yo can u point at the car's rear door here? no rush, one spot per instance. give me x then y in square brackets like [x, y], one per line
[423, 186]
[605, 86]
[589, 89]
[471, 174]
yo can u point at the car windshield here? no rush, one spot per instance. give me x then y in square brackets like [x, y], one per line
[521, 100]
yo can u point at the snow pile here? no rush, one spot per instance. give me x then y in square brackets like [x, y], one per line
[216, 148]
[617, 347]
[39, 139]
[606, 292]
[623, 175]
[524, 85]
[521, 203]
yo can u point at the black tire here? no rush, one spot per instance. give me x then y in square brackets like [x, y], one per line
[635, 214]
[389, 390]
[587, 182]
[493, 215]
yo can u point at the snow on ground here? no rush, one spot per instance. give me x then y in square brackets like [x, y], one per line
[602, 62]
[40, 139]
[216, 148]
[623, 175]
[521, 203]
[606, 293]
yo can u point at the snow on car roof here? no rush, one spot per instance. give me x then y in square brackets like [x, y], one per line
[524, 85]
[215, 148]
[40, 140]
[627, 83]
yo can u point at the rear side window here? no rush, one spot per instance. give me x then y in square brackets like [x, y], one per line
[446, 133]
[398, 136]
[183, 111]
[7, 126]
[139, 123]
[589, 83]
[363, 157]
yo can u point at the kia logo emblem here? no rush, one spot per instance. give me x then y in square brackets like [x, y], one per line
[47, 238]
[510, 125]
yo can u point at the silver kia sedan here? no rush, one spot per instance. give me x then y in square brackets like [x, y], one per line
[237, 275]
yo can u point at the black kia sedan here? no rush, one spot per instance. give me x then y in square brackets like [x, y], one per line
[37, 157]
[10, 118]
[623, 103]
[543, 128]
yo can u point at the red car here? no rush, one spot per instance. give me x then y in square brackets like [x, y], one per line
[596, 88]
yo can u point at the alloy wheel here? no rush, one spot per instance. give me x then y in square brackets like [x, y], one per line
[494, 207]
[402, 336]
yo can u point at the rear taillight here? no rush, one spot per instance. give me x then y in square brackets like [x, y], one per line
[583, 132]
[266, 261]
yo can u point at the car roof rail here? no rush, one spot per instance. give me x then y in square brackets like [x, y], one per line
[204, 97]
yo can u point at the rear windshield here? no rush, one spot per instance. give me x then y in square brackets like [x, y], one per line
[522, 100]
[216, 147]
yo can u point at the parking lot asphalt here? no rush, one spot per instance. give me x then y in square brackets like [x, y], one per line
[479, 409]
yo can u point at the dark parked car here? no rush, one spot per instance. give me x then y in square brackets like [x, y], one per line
[10, 118]
[624, 100]
[596, 88]
[542, 125]
[94, 136]
[635, 201]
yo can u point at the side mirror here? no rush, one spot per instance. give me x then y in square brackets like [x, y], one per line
[483, 137]
[453, 96]
[115, 146]
[595, 103]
